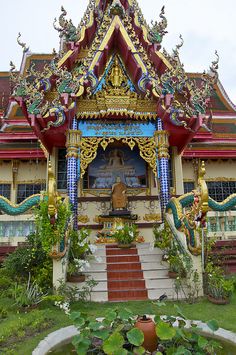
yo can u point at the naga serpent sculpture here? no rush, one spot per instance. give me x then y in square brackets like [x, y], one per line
[198, 203]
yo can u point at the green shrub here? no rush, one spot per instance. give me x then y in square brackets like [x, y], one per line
[30, 259]
[26, 295]
[5, 282]
[48, 233]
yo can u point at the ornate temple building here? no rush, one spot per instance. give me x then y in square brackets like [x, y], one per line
[112, 104]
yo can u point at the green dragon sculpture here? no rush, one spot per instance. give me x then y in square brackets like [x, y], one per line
[197, 204]
[12, 209]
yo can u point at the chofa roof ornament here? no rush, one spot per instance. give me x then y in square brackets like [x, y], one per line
[66, 27]
[200, 94]
[117, 8]
[158, 29]
[22, 44]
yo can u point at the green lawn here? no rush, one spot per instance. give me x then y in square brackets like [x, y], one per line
[21, 332]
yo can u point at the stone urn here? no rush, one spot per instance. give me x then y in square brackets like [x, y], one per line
[147, 326]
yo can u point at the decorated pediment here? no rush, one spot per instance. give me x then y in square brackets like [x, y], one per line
[115, 95]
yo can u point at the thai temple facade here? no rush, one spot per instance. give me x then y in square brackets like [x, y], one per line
[113, 104]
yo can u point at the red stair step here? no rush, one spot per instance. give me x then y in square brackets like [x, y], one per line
[127, 275]
[123, 266]
[126, 284]
[122, 258]
[119, 251]
[127, 295]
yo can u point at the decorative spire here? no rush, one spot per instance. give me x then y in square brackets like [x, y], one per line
[117, 8]
[214, 68]
[22, 44]
[66, 27]
[175, 54]
[158, 30]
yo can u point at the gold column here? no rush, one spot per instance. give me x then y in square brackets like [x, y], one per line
[73, 138]
[162, 142]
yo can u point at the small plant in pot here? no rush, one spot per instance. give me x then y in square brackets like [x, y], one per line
[176, 266]
[79, 253]
[219, 289]
[125, 235]
[163, 239]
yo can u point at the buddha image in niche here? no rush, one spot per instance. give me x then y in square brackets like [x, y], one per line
[116, 158]
[116, 162]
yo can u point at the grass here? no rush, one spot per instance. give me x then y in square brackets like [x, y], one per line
[20, 333]
[202, 310]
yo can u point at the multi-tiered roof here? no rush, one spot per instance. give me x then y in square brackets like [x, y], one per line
[110, 67]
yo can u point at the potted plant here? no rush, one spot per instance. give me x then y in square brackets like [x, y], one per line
[219, 289]
[125, 235]
[176, 266]
[163, 239]
[79, 252]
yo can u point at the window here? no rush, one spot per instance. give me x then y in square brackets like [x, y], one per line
[188, 186]
[220, 190]
[26, 190]
[61, 170]
[5, 190]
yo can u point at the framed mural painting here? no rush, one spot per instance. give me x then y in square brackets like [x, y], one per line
[117, 162]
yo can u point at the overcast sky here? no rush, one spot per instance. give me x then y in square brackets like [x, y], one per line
[206, 25]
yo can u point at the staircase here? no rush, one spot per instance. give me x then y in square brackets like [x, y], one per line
[224, 254]
[137, 273]
[125, 280]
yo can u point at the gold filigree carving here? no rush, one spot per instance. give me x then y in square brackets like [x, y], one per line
[88, 152]
[83, 219]
[130, 141]
[89, 147]
[147, 150]
[116, 98]
[104, 143]
[152, 217]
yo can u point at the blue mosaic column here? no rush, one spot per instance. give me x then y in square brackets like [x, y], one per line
[73, 139]
[163, 164]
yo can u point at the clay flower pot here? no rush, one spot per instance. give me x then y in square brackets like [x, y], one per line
[220, 301]
[173, 274]
[147, 326]
[125, 246]
[76, 278]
